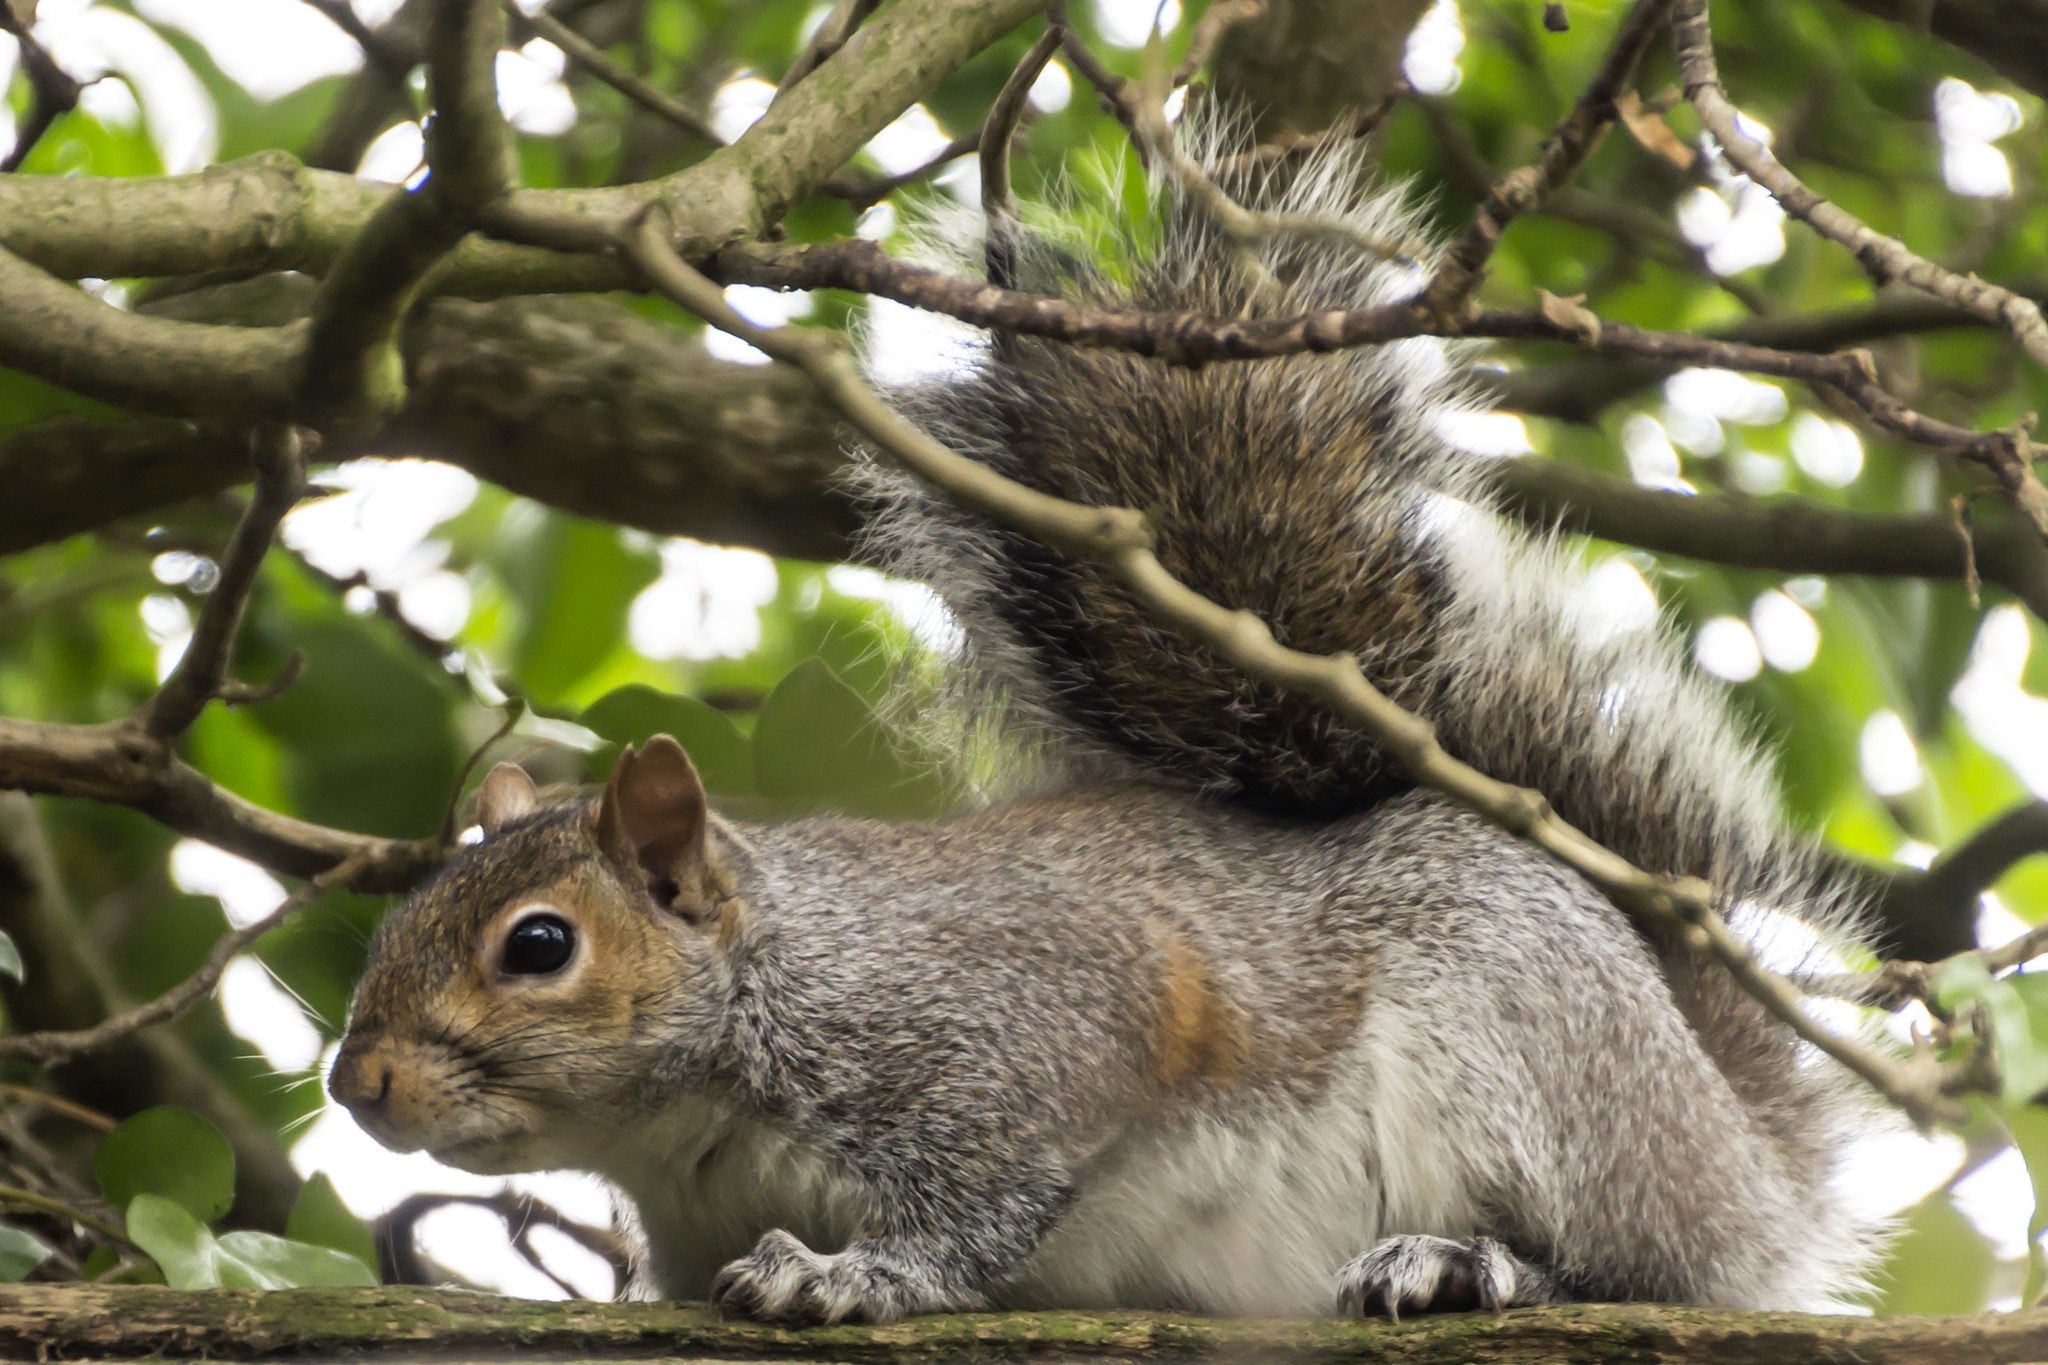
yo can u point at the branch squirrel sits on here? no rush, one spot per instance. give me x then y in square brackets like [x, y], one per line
[1224, 1015]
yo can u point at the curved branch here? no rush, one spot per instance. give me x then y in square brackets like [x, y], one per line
[119, 764]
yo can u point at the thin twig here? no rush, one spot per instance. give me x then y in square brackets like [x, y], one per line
[1567, 149]
[1222, 16]
[591, 58]
[1119, 538]
[57, 1104]
[52, 92]
[515, 707]
[839, 25]
[520, 1213]
[43, 1203]
[202, 673]
[1884, 258]
[58, 1045]
[997, 205]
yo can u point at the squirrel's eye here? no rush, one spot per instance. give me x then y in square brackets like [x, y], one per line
[538, 945]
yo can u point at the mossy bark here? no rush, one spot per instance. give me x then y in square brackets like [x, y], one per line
[105, 1322]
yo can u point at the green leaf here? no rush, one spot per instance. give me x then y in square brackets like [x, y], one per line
[193, 1258]
[2029, 1127]
[20, 1252]
[319, 1218]
[10, 958]
[1940, 1263]
[170, 1153]
[578, 579]
[179, 1243]
[817, 745]
[631, 714]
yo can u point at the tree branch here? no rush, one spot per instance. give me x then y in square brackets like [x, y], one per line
[120, 1322]
[200, 674]
[1566, 150]
[354, 376]
[49, 1048]
[52, 92]
[1884, 258]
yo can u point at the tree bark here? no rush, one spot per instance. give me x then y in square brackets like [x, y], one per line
[128, 1322]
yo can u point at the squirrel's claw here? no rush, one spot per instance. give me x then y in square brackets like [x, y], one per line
[782, 1280]
[1421, 1274]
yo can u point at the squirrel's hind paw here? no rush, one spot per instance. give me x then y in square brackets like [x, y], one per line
[1420, 1274]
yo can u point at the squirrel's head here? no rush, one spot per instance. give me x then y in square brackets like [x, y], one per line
[522, 1001]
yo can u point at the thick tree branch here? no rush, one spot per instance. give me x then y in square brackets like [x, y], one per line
[353, 373]
[1787, 534]
[120, 1322]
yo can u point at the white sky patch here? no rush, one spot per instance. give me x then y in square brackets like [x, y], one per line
[1884, 1173]
[764, 308]
[168, 622]
[1725, 648]
[1997, 1197]
[914, 604]
[1693, 430]
[1969, 121]
[1431, 60]
[1053, 89]
[394, 155]
[530, 90]
[909, 142]
[245, 891]
[1891, 761]
[89, 41]
[371, 1180]
[1652, 461]
[1726, 396]
[263, 1013]
[1997, 924]
[1758, 474]
[267, 48]
[738, 104]
[1613, 600]
[1786, 633]
[903, 344]
[1128, 23]
[2002, 715]
[1500, 434]
[377, 521]
[1827, 451]
[1734, 222]
[706, 604]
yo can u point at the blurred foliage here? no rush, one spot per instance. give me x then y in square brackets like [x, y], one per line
[785, 719]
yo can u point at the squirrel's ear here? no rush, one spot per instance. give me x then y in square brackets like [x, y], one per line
[653, 814]
[506, 794]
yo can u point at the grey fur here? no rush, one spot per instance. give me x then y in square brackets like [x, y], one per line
[1226, 1018]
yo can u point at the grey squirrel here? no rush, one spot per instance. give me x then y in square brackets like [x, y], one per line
[1222, 1014]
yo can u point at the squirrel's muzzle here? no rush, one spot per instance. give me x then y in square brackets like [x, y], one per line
[390, 1093]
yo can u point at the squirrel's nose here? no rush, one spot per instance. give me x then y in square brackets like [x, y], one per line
[361, 1079]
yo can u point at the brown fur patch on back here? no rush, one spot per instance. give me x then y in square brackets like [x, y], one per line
[1198, 1034]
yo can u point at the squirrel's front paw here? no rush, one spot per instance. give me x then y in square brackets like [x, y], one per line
[782, 1280]
[1419, 1274]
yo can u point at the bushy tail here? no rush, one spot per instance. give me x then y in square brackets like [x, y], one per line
[1316, 491]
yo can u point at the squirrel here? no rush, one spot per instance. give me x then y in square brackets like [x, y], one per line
[1222, 1013]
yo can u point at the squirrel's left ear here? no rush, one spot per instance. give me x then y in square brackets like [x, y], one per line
[506, 794]
[653, 817]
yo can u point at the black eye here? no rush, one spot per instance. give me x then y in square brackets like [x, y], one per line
[539, 944]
